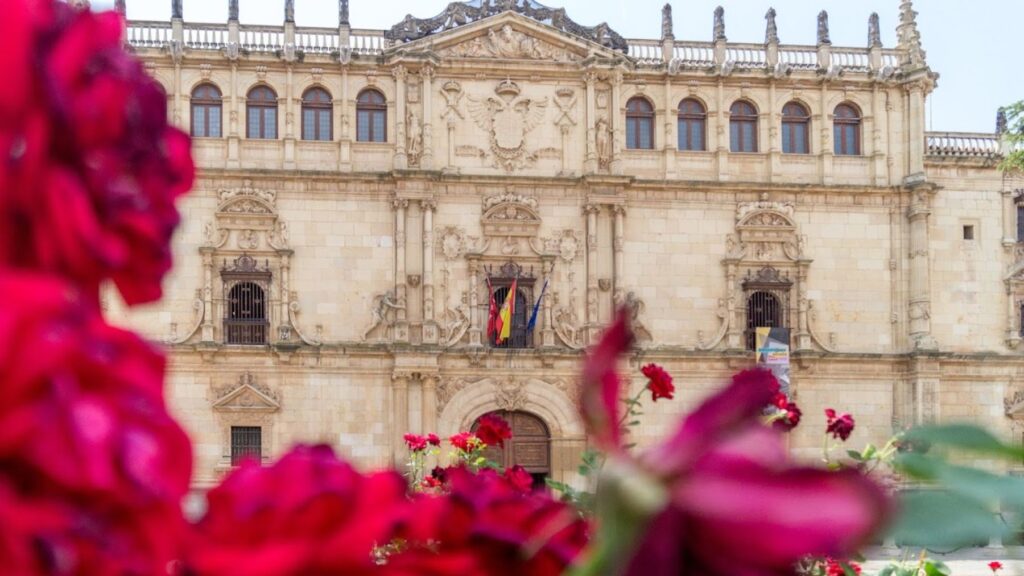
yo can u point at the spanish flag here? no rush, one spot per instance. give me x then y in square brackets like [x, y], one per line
[508, 309]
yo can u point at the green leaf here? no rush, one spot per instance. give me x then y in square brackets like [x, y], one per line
[943, 520]
[870, 451]
[936, 568]
[985, 488]
[855, 455]
[965, 437]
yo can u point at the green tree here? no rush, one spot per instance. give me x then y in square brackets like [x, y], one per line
[1011, 127]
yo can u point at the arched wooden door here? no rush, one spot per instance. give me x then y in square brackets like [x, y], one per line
[530, 446]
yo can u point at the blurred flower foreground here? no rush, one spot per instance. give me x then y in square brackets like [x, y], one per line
[93, 468]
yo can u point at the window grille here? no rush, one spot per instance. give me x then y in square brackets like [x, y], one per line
[1020, 219]
[501, 283]
[371, 117]
[246, 444]
[245, 302]
[767, 301]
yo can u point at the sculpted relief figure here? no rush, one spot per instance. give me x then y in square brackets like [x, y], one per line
[506, 42]
[414, 138]
[383, 306]
[603, 143]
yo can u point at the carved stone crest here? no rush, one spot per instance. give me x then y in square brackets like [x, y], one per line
[510, 394]
[508, 118]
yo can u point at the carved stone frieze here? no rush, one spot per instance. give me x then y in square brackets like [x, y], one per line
[506, 42]
[511, 394]
[507, 119]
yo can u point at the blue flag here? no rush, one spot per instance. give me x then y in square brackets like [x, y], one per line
[536, 307]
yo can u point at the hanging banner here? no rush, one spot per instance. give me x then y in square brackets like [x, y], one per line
[772, 350]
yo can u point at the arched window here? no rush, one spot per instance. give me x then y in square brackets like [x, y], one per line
[206, 109]
[371, 117]
[639, 124]
[742, 127]
[316, 115]
[846, 130]
[246, 321]
[764, 310]
[796, 123]
[519, 335]
[261, 113]
[692, 125]
[529, 447]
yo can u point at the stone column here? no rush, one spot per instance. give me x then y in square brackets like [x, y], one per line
[429, 402]
[1009, 219]
[475, 332]
[289, 119]
[734, 335]
[915, 131]
[399, 416]
[593, 317]
[671, 126]
[207, 328]
[401, 161]
[591, 152]
[344, 139]
[401, 333]
[618, 258]
[774, 138]
[721, 133]
[234, 140]
[920, 273]
[547, 334]
[615, 121]
[878, 127]
[825, 128]
[427, 83]
[430, 329]
[284, 324]
[1013, 315]
[803, 332]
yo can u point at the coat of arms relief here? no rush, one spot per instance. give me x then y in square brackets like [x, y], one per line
[508, 118]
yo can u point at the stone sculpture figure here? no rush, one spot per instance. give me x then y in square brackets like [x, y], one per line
[176, 11]
[771, 32]
[603, 143]
[383, 305]
[414, 138]
[666, 22]
[874, 31]
[823, 36]
[719, 24]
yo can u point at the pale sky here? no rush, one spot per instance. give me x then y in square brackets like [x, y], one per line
[972, 44]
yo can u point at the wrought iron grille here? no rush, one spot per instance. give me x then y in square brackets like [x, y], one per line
[246, 444]
[519, 336]
[767, 294]
[246, 321]
[1021, 329]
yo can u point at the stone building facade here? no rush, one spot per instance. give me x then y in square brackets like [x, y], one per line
[361, 192]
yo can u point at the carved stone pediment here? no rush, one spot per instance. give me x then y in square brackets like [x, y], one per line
[464, 15]
[246, 396]
[510, 214]
[506, 42]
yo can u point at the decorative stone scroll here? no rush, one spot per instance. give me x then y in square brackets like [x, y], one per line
[246, 396]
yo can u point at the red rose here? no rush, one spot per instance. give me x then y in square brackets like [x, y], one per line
[493, 430]
[838, 426]
[93, 167]
[659, 382]
[309, 513]
[462, 441]
[791, 415]
[486, 525]
[995, 566]
[433, 439]
[83, 402]
[519, 478]
[415, 442]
